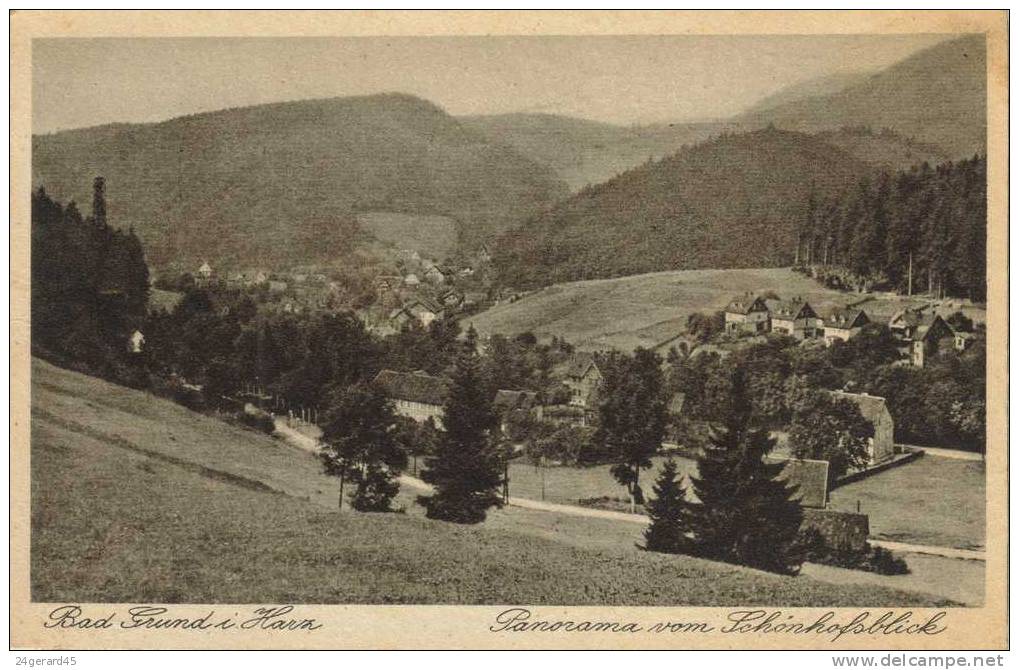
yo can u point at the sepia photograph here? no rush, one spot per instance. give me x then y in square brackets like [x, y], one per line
[533, 322]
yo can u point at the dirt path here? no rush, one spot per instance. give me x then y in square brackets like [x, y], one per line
[947, 552]
[951, 453]
[308, 443]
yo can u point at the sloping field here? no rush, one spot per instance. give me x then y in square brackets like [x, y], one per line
[933, 500]
[642, 310]
[431, 236]
[136, 499]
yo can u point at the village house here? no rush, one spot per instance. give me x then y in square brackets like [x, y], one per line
[921, 335]
[473, 299]
[276, 286]
[746, 314]
[963, 340]
[416, 395]
[843, 323]
[569, 415]
[506, 402]
[437, 274]
[135, 342]
[451, 298]
[795, 318]
[204, 274]
[881, 446]
[419, 308]
[583, 378]
[424, 309]
[411, 281]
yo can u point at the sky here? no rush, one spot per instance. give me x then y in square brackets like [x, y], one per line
[616, 79]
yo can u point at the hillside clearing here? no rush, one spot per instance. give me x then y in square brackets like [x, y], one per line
[431, 236]
[136, 499]
[641, 310]
[648, 309]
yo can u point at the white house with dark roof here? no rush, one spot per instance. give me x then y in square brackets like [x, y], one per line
[921, 335]
[881, 446]
[795, 318]
[583, 378]
[843, 323]
[746, 314]
[416, 395]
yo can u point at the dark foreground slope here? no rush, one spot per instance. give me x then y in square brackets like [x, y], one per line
[135, 499]
[283, 182]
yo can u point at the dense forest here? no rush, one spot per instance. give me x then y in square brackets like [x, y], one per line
[90, 284]
[918, 230]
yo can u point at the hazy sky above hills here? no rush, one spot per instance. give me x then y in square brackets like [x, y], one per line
[86, 82]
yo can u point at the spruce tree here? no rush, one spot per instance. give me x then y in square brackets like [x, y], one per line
[466, 468]
[670, 514]
[745, 514]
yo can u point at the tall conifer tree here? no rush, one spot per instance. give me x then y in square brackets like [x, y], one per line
[466, 468]
[745, 514]
[670, 514]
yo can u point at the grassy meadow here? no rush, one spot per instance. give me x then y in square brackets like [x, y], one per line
[932, 500]
[646, 310]
[642, 310]
[430, 235]
[137, 499]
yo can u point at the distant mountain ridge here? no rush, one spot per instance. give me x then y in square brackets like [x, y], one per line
[936, 96]
[811, 88]
[584, 152]
[286, 183]
[283, 183]
[933, 101]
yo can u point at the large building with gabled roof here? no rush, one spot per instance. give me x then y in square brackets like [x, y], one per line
[746, 314]
[843, 323]
[416, 395]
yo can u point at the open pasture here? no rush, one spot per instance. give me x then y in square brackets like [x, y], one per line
[642, 310]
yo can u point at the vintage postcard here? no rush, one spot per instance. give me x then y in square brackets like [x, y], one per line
[512, 330]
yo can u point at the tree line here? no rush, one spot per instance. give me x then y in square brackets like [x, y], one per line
[918, 230]
[90, 285]
[941, 404]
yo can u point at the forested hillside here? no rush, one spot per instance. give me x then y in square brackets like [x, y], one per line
[923, 229]
[283, 183]
[734, 201]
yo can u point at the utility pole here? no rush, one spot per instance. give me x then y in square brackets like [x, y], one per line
[909, 291]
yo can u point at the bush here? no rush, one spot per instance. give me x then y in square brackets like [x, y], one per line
[261, 421]
[872, 559]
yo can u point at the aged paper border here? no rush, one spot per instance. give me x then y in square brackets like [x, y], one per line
[467, 627]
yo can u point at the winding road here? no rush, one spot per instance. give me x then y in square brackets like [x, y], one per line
[309, 443]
